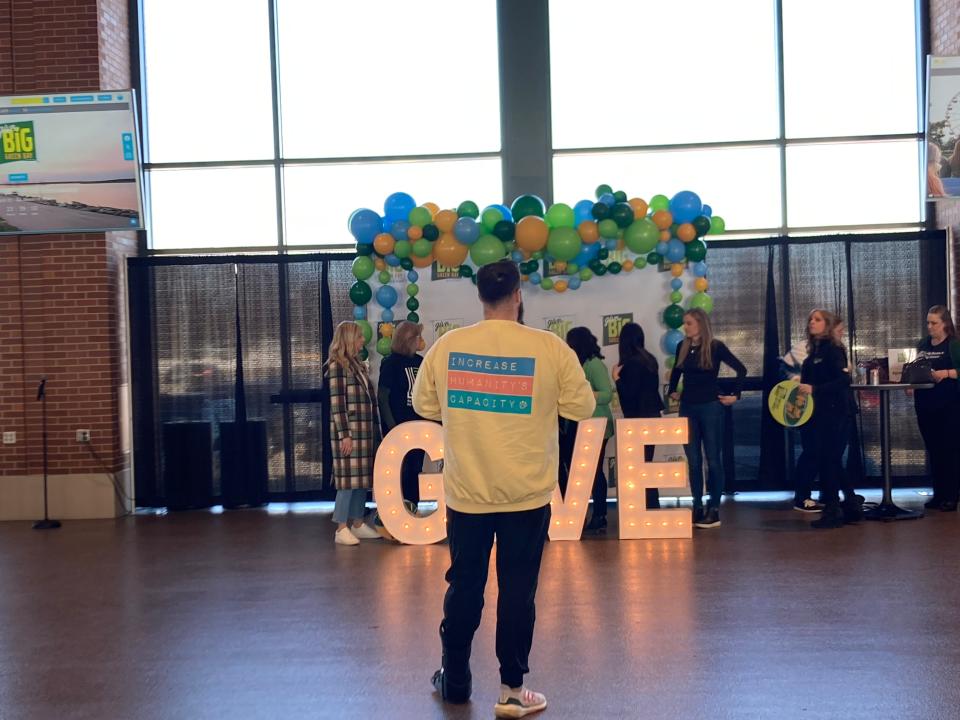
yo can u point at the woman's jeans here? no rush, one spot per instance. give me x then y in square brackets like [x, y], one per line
[705, 429]
[350, 505]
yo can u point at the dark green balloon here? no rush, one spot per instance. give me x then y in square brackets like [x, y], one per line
[601, 269]
[526, 205]
[614, 267]
[595, 264]
[413, 304]
[653, 258]
[430, 232]
[364, 249]
[622, 214]
[600, 211]
[465, 272]
[360, 293]
[364, 354]
[696, 251]
[701, 225]
[504, 230]
[620, 196]
[406, 264]
[413, 317]
[603, 254]
[469, 209]
[673, 316]
[602, 190]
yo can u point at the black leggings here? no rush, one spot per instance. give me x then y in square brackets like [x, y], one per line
[939, 435]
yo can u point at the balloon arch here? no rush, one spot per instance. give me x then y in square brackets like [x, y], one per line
[557, 249]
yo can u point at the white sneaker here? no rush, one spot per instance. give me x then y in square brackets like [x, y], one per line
[365, 532]
[518, 703]
[345, 537]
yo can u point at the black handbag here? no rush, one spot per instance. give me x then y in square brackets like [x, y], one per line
[917, 372]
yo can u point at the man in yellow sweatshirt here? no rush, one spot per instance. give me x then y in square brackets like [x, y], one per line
[498, 388]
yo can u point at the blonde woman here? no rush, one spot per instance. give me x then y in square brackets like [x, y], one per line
[354, 431]
[698, 362]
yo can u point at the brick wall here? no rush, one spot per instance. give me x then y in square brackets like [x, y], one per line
[61, 300]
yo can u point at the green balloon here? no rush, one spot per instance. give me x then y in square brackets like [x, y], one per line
[614, 267]
[607, 228]
[364, 354]
[419, 216]
[702, 301]
[640, 262]
[362, 267]
[413, 289]
[366, 330]
[422, 247]
[602, 190]
[564, 243]
[490, 218]
[402, 249]
[469, 209]
[659, 202]
[538, 255]
[572, 268]
[465, 272]
[406, 264]
[413, 304]
[696, 251]
[526, 205]
[413, 317]
[383, 346]
[586, 274]
[676, 296]
[360, 293]
[653, 258]
[620, 196]
[487, 249]
[641, 236]
[600, 270]
[546, 284]
[384, 277]
[701, 225]
[622, 214]
[669, 362]
[673, 316]
[560, 215]
[717, 225]
[364, 249]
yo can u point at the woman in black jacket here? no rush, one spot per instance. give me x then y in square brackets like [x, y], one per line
[638, 386]
[825, 377]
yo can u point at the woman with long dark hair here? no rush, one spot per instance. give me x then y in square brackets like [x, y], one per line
[585, 345]
[938, 408]
[698, 362]
[638, 386]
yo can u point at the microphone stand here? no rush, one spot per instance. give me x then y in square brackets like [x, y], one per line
[46, 523]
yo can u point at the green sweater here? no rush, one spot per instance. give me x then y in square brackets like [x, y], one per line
[599, 379]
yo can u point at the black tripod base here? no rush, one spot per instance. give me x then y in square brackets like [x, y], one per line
[46, 524]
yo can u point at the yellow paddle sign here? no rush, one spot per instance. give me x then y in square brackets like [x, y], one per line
[788, 405]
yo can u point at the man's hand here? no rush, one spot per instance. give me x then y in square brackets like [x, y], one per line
[805, 388]
[346, 446]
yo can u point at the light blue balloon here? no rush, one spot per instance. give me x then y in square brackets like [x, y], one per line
[365, 224]
[661, 248]
[535, 278]
[573, 282]
[587, 253]
[399, 229]
[583, 210]
[516, 256]
[466, 230]
[671, 341]
[706, 211]
[611, 244]
[398, 205]
[413, 275]
[676, 284]
[700, 269]
[676, 250]
[608, 199]
[504, 210]
[685, 206]
[387, 296]
[359, 312]
[392, 260]
[387, 315]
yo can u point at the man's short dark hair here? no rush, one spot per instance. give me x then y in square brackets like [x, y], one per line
[497, 281]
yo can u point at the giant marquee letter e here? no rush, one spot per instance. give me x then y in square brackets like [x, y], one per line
[404, 526]
[634, 476]
[568, 513]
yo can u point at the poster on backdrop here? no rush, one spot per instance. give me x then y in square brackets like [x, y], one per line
[942, 179]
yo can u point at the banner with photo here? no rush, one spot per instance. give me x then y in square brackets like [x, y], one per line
[942, 150]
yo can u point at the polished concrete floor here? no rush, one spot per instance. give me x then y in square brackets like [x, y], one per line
[258, 615]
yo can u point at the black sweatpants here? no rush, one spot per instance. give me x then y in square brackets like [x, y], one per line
[939, 435]
[824, 440]
[520, 538]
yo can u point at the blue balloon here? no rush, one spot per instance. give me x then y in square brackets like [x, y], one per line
[413, 275]
[676, 284]
[392, 260]
[359, 312]
[398, 205]
[685, 206]
[706, 210]
[399, 229]
[534, 278]
[365, 225]
[671, 341]
[504, 210]
[583, 210]
[516, 256]
[661, 248]
[587, 253]
[676, 251]
[700, 269]
[466, 230]
[573, 282]
[611, 244]
[387, 296]
[608, 199]
[387, 315]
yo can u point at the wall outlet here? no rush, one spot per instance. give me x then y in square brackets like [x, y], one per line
[9, 438]
[83, 436]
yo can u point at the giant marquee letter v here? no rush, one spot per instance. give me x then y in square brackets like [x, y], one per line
[568, 513]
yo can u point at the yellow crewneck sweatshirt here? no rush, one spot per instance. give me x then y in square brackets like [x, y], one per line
[498, 388]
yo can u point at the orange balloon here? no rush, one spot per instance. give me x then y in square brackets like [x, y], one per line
[701, 284]
[588, 231]
[560, 285]
[445, 220]
[621, 244]
[379, 264]
[386, 330]
[383, 243]
[639, 206]
[686, 232]
[662, 219]
[433, 208]
[627, 265]
[415, 232]
[531, 234]
[664, 236]
[676, 269]
[422, 262]
[449, 251]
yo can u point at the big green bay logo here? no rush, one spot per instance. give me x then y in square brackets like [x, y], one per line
[17, 142]
[612, 325]
[559, 325]
[444, 272]
[441, 327]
